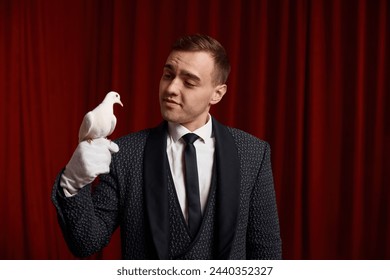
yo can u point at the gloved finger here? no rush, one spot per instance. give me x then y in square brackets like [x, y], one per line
[101, 141]
[113, 147]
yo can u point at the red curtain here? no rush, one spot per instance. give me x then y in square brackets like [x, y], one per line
[310, 77]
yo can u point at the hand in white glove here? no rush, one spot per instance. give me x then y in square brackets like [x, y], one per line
[88, 161]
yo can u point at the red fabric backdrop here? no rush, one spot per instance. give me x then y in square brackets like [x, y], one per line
[309, 77]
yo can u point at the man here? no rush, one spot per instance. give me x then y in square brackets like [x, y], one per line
[209, 197]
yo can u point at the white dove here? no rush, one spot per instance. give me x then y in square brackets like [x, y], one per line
[101, 121]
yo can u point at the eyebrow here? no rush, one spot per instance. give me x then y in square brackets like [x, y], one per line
[183, 72]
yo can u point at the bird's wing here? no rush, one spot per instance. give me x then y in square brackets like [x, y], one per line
[113, 124]
[86, 126]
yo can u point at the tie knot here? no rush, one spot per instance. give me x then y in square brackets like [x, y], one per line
[190, 138]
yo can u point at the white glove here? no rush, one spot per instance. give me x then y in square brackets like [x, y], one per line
[87, 162]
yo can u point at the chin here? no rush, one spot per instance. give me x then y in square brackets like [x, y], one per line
[169, 117]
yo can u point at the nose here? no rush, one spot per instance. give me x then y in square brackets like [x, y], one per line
[173, 86]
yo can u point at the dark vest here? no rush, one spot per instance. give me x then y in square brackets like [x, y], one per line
[180, 243]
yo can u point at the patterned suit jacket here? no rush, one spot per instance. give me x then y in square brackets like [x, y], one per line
[134, 197]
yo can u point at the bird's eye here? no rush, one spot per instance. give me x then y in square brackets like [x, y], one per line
[117, 95]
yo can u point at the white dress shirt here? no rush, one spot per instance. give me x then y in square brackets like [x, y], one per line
[205, 147]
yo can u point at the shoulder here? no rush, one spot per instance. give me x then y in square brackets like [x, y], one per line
[248, 141]
[240, 137]
[131, 146]
[134, 143]
[132, 139]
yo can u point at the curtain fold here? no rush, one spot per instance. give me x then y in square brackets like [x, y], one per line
[310, 77]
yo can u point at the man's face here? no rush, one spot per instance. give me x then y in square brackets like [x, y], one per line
[187, 88]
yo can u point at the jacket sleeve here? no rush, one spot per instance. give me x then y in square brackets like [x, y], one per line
[263, 235]
[88, 219]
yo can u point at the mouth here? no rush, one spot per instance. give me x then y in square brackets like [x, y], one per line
[169, 101]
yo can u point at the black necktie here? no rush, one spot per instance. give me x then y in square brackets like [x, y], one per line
[192, 184]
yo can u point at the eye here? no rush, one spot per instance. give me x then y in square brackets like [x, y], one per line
[189, 83]
[167, 76]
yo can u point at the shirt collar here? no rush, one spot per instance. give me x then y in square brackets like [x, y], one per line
[176, 131]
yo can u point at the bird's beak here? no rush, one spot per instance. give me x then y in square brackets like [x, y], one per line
[120, 103]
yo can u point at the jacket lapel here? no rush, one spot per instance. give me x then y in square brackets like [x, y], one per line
[228, 189]
[156, 193]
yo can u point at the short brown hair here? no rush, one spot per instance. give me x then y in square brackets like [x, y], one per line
[200, 42]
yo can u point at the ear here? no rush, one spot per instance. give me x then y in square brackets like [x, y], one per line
[219, 92]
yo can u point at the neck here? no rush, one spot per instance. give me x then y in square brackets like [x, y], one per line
[192, 126]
